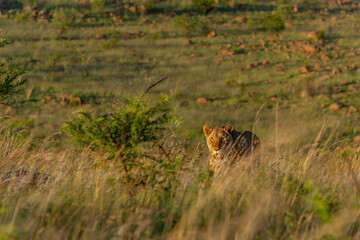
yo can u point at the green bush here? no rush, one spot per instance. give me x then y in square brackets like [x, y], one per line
[134, 138]
[192, 25]
[8, 77]
[273, 22]
[64, 18]
[187, 23]
[97, 5]
[284, 7]
[146, 6]
[203, 6]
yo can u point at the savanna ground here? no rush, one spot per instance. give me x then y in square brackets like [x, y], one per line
[289, 70]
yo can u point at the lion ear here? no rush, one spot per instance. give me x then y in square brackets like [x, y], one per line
[207, 130]
[229, 129]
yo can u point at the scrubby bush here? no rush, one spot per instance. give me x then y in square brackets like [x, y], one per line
[97, 5]
[187, 23]
[192, 25]
[146, 6]
[64, 18]
[273, 22]
[203, 6]
[283, 7]
[8, 77]
[134, 137]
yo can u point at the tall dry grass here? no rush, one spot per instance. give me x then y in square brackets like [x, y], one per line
[311, 194]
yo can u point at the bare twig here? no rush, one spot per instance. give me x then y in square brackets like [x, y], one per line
[151, 85]
[85, 61]
[118, 119]
[162, 149]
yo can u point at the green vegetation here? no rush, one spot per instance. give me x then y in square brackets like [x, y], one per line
[123, 134]
[65, 18]
[9, 83]
[86, 155]
[273, 22]
[202, 5]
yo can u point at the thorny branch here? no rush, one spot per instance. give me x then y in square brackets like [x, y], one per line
[162, 149]
[151, 85]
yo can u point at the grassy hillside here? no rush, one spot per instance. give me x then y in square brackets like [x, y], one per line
[289, 70]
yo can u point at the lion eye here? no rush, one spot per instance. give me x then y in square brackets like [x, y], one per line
[211, 140]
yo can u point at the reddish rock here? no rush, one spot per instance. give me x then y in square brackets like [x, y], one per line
[100, 36]
[336, 71]
[250, 66]
[317, 66]
[231, 4]
[351, 68]
[295, 9]
[144, 20]
[353, 109]
[304, 94]
[303, 69]
[212, 34]
[140, 34]
[241, 19]
[336, 106]
[126, 35]
[201, 100]
[309, 48]
[226, 52]
[274, 99]
[133, 9]
[288, 25]
[188, 42]
[266, 63]
[312, 34]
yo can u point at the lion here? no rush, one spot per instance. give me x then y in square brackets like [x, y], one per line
[229, 147]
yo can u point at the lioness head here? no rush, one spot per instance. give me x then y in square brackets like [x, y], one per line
[218, 138]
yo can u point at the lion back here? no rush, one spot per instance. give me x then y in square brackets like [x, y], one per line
[245, 144]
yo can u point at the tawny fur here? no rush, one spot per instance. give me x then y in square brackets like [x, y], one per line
[229, 148]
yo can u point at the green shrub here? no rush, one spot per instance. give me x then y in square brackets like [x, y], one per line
[203, 27]
[203, 6]
[273, 22]
[283, 7]
[64, 18]
[97, 5]
[146, 6]
[8, 77]
[320, 35]
[187, 23]
[192, 25]
[21, 129]
[134, 138]
[23, 16]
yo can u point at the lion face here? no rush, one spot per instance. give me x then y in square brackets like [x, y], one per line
[218, 139]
